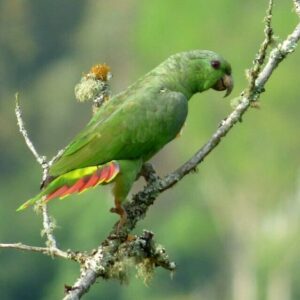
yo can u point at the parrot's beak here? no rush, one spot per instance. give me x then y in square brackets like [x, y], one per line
[225, 83]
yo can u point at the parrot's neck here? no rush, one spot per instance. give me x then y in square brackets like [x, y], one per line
[178, 78]
[181, 86]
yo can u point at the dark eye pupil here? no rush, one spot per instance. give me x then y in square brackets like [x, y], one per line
[215, 64]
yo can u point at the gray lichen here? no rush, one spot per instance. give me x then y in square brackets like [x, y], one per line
[141, 253]
[94, 86]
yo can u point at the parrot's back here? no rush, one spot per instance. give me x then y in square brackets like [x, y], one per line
[134, 124]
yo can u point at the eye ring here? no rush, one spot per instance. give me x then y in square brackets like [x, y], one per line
[215, 64]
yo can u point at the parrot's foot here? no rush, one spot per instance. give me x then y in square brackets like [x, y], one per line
[119, 209]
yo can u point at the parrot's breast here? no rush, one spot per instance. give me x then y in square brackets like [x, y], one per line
[160, 121]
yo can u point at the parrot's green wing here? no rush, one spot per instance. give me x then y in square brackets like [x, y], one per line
[135, 128]
[90, 131]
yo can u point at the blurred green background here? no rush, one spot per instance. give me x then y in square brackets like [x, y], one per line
[233, 228]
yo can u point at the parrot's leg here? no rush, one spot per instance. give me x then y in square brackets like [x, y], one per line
[129, 169]
[119, 209]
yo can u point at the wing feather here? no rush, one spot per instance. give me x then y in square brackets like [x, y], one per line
[135, 127]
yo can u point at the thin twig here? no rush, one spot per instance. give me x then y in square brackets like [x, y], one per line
[40, 159]
[49, 225]
[277, 55]
[262, 52]
[57, 156]
[44, 250]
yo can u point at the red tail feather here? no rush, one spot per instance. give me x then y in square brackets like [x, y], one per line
[111, 170]
[103, 174]
[57, 193]
[74, 188]
[92, 180]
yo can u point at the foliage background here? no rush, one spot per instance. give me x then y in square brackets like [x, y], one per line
[232, 228]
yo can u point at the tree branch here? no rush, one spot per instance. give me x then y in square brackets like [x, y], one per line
[103, 258]
[40, 159]
[120, 250]
[44, 250]
[48, 222]
[49, 225]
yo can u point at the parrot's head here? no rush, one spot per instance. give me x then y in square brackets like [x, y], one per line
[221, 76]
[203, 69]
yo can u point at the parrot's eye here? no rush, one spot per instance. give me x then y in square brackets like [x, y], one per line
[215, 64]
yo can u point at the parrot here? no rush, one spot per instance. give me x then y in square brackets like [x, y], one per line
[132, 127]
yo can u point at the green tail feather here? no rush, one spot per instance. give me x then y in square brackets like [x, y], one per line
[30, 201]
[70, 178]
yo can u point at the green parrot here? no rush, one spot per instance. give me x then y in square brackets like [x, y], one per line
[132, 126]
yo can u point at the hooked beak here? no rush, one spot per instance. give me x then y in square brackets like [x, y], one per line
[225, 83]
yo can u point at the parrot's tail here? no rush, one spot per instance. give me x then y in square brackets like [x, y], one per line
[76, 181]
